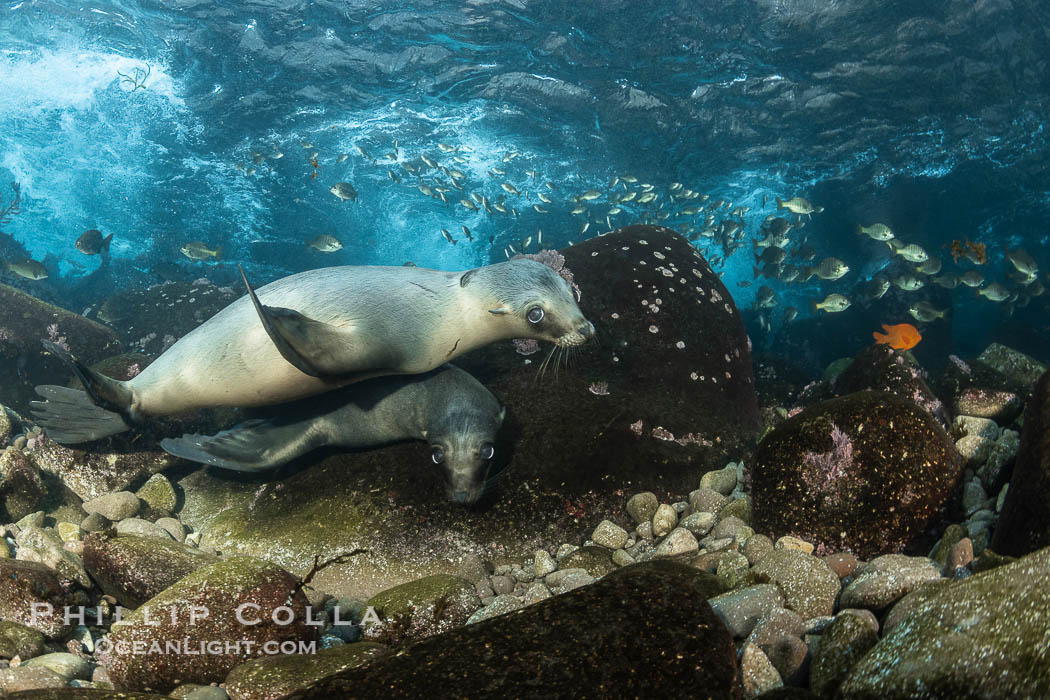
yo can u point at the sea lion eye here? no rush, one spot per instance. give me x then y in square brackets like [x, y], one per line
[535, 314]
[487, 451]
[437, 454]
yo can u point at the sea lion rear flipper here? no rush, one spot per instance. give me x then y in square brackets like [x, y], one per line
[255, 445]
[69, 416]
[314, 348]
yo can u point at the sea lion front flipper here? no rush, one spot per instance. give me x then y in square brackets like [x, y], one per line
[242, 448]
[314, 348]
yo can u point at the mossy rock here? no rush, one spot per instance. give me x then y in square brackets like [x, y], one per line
[134, 568]
[25, 584]
[868, 473]
[421, 608]
[19, 640]
[158, 493]
[984, 636]
[579, 644]
[21, 488]
[274, 677]
[220, 589]
[82, 694]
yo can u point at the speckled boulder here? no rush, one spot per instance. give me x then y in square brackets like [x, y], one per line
[273, 677]
[1024, 524]
[220, 589]
[27, 585]
[21, 488]
[422, 608]
[881, 368]
[866, 473]
[584, 640]
[982, 637]
[133, 569]
[94, 473]
[670, 383]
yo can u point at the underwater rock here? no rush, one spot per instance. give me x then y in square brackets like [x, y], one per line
[420, 609]
[45, 546]
[158, 493]
[6, 426]
[21, 488]
[24, 322]
[90, 473]
[881, 368]
[867, 473]
[19, 640]
[1024, 524]
[80, 693]
[808, 585]
[886, 579]
[588, 639]
[25, 584]
[219, 589]
[997, 404]
[846, 640]
[984, 636]
[568, 449]
[150, 320]
[1018, 371]
[134, 569]
[670, 383]
[274, 677]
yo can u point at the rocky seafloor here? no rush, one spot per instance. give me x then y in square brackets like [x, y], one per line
[878, 532]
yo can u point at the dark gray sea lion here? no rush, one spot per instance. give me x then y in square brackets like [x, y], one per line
[447, 407]
[320, 330]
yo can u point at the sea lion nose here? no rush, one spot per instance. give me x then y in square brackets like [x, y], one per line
[462, 497]
[587, 330]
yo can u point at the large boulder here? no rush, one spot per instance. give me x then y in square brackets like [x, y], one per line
[982, 637]
[867, 473]
[31, 594]
[881, 368]
[133, 569]
[92, 473]
[204, 614]
[24, 322]
[665, 395]
[590, 640]
[1024, 524]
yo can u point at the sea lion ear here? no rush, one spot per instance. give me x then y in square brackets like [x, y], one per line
[426, 434]
[465, 277]
[500, 311]
[502, 413]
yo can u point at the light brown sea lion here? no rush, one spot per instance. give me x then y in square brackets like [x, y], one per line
[320, 330]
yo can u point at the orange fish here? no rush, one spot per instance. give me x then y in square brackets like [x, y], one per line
[903, 336]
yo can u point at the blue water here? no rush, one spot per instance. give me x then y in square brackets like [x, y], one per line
[141, 119]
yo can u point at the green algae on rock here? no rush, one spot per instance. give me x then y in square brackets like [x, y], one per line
[19, 640]
[985, 636]
[32, 594]
[585, 642]
[274, 677]
[174, 616]
[422, 608]
[867, 473]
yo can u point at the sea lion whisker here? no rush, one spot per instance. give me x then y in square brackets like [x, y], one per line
[546, 361]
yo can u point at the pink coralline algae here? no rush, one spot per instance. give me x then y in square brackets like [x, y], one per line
[525, 346]
[636, 427]
[965, 368]
[556, 261]
[133, 370]
[662, 434]
[823, 469]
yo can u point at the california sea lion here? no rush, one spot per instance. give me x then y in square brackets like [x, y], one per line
[320, 330]
[447, 407]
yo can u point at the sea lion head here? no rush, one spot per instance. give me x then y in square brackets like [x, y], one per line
[535, 298]
[462, 435]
